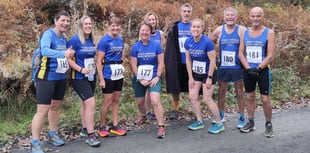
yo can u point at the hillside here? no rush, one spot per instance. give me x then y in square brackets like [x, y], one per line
[23, 21]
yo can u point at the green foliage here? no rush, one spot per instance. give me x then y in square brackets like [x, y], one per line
[286, 85]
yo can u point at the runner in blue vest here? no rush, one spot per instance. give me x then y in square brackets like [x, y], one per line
[146, 60]
[111, 76]
[175, 62]
[83, 76]
[257, 51]
[230, 69]
[200, 64]
[51, 81]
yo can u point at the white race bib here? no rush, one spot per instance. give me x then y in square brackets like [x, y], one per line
[117, 71]
[199, 67]
[181, 44]
[62, 65]
[90, 64]
[145, 72]
[254, 54]
[228, 58]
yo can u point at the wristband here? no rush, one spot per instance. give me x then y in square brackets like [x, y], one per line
[81, 70]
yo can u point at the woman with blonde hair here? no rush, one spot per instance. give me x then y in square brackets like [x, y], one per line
[83, 75]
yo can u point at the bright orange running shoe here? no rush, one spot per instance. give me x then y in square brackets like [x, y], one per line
[117, 130]
[103, 131]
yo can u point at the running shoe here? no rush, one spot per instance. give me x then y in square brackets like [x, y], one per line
[196, 126]
[140, 120]
[83, 133]
[269, 131]
[248, 128]
[173, 115]
[103, 131]
[161, 133]
[150, 116]
[241, 123]
[56, 140]
[36, 149]
[117, 130]
[92, 141]
[216, 128]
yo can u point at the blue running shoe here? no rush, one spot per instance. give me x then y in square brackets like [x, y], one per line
[55, 140]
[216, 128]
[36, 149]
[196, 126]
[241, 122]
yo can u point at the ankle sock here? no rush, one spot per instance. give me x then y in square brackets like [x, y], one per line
[251, 120]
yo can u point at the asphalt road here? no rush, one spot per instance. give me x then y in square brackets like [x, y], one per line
[291, 127]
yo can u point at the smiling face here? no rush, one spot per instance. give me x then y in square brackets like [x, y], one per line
[230, 18]
[256, 16]
[87, 26]
[186, 14]
[62, 23]
[115, 29]
[152, 21]
[197, 28]
[144, 32]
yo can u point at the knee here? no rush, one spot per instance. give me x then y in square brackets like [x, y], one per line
[251, 97]
[265, 100]
[115, 101]
[193, 97]
[54, 107]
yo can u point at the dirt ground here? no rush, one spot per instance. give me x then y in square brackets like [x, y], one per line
[291, 127]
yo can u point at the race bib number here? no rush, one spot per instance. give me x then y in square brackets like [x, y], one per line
[181, 44]
[90, 64]
[145, 72]
[62, 65]
[228, 58]
[199, 67]
[117, 71]
[254, 54]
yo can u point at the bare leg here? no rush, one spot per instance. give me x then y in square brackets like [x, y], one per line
[115, 107]
[108, 98]
[158, 108]
[222, 95]
[53, 114]
[89, 113]
[38, 120]
[251, 104]
[240, 96]
[194, 98]
[267, 106]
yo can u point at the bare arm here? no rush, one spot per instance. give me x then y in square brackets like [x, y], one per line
[133, 64]
[100, 57]
[271, 50]
[216, 34]
[241, 53]
[211, 56]
[160, 59]
[189, 65]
